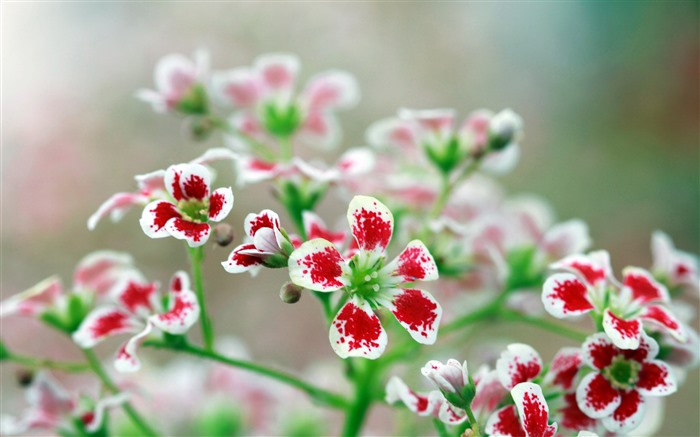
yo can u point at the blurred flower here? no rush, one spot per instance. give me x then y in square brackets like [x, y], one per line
[672, 266]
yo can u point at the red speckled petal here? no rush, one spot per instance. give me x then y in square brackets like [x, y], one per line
[252, 170]
[571, 417]
[644, 287]
[628, 415]
[624, 334]
[138, 297]
[598, 351]
[518, 363]
[596, 397]
[594, 268]
[264, 219]
[533, 410]
[127, 361]
[415, 263]
[316, 228]
[182, 314]
[116, 206]
[565, 365]
[243, 259]
[371, 223]
[423, 405]
[196, 234]
[179, 282]
[489, 392]
[100, 271]
[220, 204]
[188, 181]
[329, 90]
[96, 416]
[504, 423]
[317, 265]
[564, 295]
[356, 331]
[451, 415]
[356, 161]
[104, 322]
[661, 316]
[156, 216]
[418, 312]
[656, 379]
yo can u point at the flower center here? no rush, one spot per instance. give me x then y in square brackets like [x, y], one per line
[365, 278]
[622, 373]
[193, 210]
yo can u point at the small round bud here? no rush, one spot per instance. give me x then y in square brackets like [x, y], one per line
[25, 377]
[223, 234]
[290, 293]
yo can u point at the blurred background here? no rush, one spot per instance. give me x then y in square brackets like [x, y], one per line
[608, 92]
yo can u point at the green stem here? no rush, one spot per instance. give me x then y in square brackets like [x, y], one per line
[544, 324]
[364, 378]
[261, 149]
[196, 257]
[49, 364]
[285, 148]
[443, 197]
[441, 428]
[112, 387]
[318, 394]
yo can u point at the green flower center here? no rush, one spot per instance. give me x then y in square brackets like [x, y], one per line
[622, 373]
[365, 279]
[281, 121]
[193, 210]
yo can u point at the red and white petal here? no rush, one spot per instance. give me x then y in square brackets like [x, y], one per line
[104, 322]
[179, 282]
[151, 183]
[194, 181]
[33, 301]
[564, 295]
[47, 397]
[317, 265]
[489, 392]
[433, 122]
[241, 260]
[644, 287]
[136, 296]
[594, 268]
[320, 129]
[174, 75]
[533, 410]
[656, 379]
[647, 350]
[183, 312]
[220, 204]
[278, 74]
[371, 223]
[330, 90]
[126, 360]
[423, 405]
[115, 207]
[504, 423]
[316, 228]
[252, 170]
[450, 377]
[100, 271]
[596, 397]
[518, 363]
[628, 415]
[663, 317]
[215, 154]
[624, 334]
[502, 161]
[239, 87]
[266, 241]
[414, 263]
[357, 332]
[598, 351]
[418, 312]
[93, 420]
[356, 161]
[264, 219]
[564, 368]
[196, 234]
[571, 417]
[393, 133]
[565, 239]
[155, 216]
[451, 415]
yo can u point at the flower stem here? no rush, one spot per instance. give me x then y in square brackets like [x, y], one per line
[441, 428]
[364, 378]
[547, 325]
[320, 395]
[112, 387]
[49, 364]
[196, 257]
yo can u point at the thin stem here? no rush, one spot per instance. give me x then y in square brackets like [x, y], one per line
[364, 378]
[318, 394]
[258, 147]
[112, 387]
[49, 364]
[545, 324]
[285, 148]
[196, 256]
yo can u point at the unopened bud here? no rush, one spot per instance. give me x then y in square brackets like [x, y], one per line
[468, 433]
[290, 293]
[223, 234]
[25, 377]
[505, 128]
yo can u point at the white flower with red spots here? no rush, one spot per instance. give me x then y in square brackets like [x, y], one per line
[193, 206]
[529, 416]
[179, 84]
[266, 94]
[621, 380]
[370, 282]
[590, 287]
[140, 307]
[266, 246]
[429, 404]
[672, 266]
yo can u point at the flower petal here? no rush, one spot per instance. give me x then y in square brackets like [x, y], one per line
[489, 392]
[239, 87]
[98, 272]
[220, 204]
[104, 322]
[533, 410]
[330, 90]
[264, 219]
[656, 379]
[594, 268]
[320, 130]
[624, 334]
[151, 183]
[116, 206]
[596, 397]
[504, 423]
[33, 301]
[371, 223]
[252, 170]
[435, 124]
[155, 216]
[356, 161]
[451, 415]
[628, 415]
[356, 331]
[317, 265]
[414, 263]
[127, 361]
[502, 161]
[565, 239]
[316, 228]
[643, 286]
[96, 416]
[564, 295]
[450, 377]
[571, 417]
[239, 262]
[598, 351]
[418, 312]
[179, 282]
[196, 234]
[215, 154]
[518, 363]
[393, 133]
[278, 72]
[565, 365]
[662, 316]
[137, 296]
[174, 75]
[423, 405]
[182, 314]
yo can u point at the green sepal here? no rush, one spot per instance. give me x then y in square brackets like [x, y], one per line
[77, 309]
[4, 351]
[195, 101]
[276, 261]
[446, 156]
[54, 320]
[281, 121]
[522, 270]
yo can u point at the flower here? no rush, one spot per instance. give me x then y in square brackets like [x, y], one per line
[369, 283]
[623, 307]
[529, 416]
[672, 266]
[140, 307]
[193, 206]
[265, 93]
[179, 84]
[621, 379]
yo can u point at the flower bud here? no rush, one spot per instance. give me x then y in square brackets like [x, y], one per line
[453, 381]
[505, 128]
[290, 293]
[25, 377]
[223, 234]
